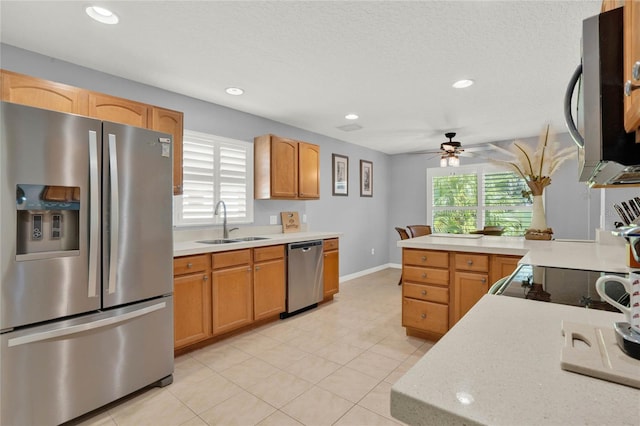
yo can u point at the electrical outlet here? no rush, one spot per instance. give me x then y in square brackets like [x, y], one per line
[273, 220]
[373, 251]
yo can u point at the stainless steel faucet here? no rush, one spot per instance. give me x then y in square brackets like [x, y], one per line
[225, 231]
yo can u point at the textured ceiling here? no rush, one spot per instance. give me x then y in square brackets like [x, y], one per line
[308, 64]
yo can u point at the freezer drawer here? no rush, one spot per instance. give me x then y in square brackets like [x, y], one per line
[59, 371]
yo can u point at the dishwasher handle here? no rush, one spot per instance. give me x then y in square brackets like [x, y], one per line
[304, 245]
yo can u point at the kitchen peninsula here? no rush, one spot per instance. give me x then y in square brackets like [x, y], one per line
[500, 363]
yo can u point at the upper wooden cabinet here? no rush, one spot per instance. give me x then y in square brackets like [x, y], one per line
[118, 110]
[39, 93]
[35, 92]
[308, 170]
[285, 169]
[632, 59]
[169, 121]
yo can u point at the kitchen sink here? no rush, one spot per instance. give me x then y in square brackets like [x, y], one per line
[222, 241]
[252, 238]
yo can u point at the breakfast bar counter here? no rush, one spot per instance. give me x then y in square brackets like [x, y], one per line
[584, 255]
[500, 365]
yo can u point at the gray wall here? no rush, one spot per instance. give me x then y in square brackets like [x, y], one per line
[362, 220]
[399, 184]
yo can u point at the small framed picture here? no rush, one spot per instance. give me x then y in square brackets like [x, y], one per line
[366, 178]
[340, 174]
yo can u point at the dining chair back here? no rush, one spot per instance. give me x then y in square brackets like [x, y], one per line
[419, 230]
[403, 236]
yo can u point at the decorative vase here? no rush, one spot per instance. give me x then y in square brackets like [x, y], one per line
[538, 229]
[538, 219]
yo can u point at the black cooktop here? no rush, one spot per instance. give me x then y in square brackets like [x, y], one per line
[564, 286]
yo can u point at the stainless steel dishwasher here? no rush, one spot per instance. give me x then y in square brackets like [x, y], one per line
[304, 276]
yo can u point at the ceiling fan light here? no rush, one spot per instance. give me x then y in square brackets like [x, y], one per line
[443, 161]
[454, 161]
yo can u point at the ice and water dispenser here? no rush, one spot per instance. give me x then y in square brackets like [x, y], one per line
[48, 221]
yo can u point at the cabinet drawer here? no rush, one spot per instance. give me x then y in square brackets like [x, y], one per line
[472, 262]
[189, 264]
[437, 259]
[426, 292]
[331, 244]
[230, 258]
[425, 275]
[267, 253]
[425, 316]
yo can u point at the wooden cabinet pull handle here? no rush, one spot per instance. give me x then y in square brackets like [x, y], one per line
[424, 292]
[423, 316]
[189, 265]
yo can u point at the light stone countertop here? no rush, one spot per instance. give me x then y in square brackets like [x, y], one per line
[503, 360]
[560, 254]
[184, 248]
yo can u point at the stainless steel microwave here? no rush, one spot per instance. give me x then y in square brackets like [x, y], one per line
[608, 155]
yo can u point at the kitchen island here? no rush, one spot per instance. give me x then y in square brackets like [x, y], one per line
[500, 365]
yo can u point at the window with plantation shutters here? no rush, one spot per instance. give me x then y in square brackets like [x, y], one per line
[469, 198]
[214, 169]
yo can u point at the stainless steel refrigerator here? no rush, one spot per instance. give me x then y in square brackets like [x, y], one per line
[86, 249]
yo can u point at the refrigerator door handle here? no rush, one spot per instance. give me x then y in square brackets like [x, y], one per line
[94, 213]
[75, 329]
[114, 214]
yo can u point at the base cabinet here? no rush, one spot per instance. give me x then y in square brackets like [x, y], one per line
[228, 291]
[425, 292]
[269, 282]
[232, 290]
[192, 300]
[331, 274]
[439, 287]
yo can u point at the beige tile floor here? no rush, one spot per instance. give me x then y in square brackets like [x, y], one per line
[333, 365]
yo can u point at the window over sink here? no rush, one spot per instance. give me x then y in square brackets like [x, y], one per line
[469, 198]
[215, 168]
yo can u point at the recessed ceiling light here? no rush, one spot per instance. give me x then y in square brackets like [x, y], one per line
[235, 91]
[351, 116]
[103, 15]
[461, 84]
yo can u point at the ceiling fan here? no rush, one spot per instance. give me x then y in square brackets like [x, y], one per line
[449, 151]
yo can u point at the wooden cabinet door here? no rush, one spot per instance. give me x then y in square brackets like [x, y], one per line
[168, 121]
[191, 308]
[632, 56]
[308, 170]
[35, 92]
[331, 274]
[468, 289]
[284, 168]
[232, 298]
[502, 266]
[118, 110]
[268, 288]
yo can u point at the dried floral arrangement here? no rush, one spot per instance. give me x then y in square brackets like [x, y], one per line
[535, 166]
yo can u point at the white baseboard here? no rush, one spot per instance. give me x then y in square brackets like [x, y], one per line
[369, 271]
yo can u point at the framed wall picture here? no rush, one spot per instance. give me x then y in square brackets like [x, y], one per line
[366, 178]
[340, 174]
